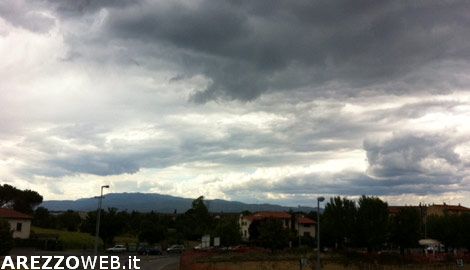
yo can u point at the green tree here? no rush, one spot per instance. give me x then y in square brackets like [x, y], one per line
[42, 218]
[337, 220]
[465, 235]
[446, 229]
[112, 224]
[254, 230]
[6, 237]
[228, 230]
[20, 200]
[7, 195]
[405, 228]
[196, 221]
[372, 222]
[151, 232]
[272, 235]
[69, 220]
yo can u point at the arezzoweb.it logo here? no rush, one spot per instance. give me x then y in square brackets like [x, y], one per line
[69, 263]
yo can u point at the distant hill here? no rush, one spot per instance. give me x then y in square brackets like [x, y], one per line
[146, 202]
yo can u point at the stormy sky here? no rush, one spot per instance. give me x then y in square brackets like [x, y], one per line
[257, 101]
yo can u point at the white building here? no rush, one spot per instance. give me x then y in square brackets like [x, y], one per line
[20, 223]
[305, 226]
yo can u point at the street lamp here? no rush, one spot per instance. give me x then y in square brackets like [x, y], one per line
[98, 217]
[319, 199]
[299, 215]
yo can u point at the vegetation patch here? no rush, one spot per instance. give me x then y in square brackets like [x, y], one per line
[70, 240]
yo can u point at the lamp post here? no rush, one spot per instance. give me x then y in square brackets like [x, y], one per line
[98, 217]
[319, 199]
[298, 226]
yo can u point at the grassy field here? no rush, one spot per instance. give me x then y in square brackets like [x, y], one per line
[78, 240]
[71, 240]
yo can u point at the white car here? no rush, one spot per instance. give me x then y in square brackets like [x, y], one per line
[175, 249]
[117, 248]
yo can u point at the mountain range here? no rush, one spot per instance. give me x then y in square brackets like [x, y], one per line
[146, 202]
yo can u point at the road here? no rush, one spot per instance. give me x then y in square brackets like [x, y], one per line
[159, 263]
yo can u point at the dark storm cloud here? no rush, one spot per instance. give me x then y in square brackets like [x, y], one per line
[247, 48]
[251, 47]
[413, 155]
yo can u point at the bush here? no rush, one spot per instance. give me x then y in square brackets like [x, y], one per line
[6, 237]
[271, 234]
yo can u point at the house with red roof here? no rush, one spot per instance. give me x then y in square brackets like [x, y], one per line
[303, 225]
[20, 223]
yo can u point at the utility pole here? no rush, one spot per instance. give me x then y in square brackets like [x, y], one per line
[98, 217]
[298, 226]
[319, 199]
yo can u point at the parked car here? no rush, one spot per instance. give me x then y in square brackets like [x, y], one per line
[241, 248]
[175, 249]
[149, 251]
[117, 249]
[435, 248]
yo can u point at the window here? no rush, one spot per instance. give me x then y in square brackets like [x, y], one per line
[19, 226]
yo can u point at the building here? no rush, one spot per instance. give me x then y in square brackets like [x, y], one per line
[421, 209]
[432, 209]
[446, 209]
[246, 220]
[303, 225]
[20, 223]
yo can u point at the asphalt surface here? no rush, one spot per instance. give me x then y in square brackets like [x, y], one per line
[160, 263]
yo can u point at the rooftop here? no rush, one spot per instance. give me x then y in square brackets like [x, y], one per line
[451, 207]
[265, 215]
[306, 220]
[12, 214]
[444, 206]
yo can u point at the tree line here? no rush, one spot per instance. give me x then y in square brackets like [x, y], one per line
[149, 227]
[368, 224]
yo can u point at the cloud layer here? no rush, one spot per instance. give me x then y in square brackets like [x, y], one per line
[332, 49]
[257, 101]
